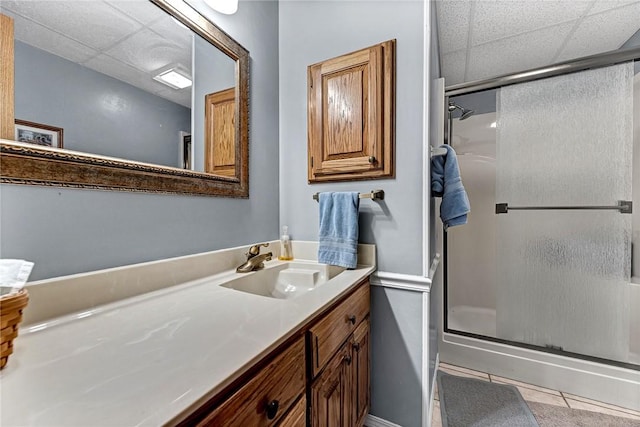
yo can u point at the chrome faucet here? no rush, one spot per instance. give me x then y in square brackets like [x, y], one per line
[255, 260]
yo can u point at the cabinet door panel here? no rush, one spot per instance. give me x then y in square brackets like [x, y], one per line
[297, 416]
[331, 405]
[329, 333]
[220, 139]
[361, 373]
[350, 115]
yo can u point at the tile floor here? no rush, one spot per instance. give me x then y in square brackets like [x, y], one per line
[534, 393]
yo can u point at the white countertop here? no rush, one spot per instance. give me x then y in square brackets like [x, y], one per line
[149, 359]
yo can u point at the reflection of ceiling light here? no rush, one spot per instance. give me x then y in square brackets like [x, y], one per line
[228, 7]
[174, 79]
[493, 125]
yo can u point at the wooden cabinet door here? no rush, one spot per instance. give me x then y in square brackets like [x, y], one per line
[331, 392]
[297, 416]
[220, 133]
[7, 78]
[350, 115]
[361, 373]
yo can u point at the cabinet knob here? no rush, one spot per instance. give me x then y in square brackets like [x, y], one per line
[352, 319]
[356, 346]
[347, 359]
[372, 159]
[272, 409]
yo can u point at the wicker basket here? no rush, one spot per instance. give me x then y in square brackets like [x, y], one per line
[11, 307]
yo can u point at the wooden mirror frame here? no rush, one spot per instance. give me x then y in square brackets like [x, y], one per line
[31, 164]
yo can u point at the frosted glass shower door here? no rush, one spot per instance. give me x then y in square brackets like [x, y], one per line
[563, 274]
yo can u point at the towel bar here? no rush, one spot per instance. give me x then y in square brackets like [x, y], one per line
[438, 151]
[373, 195]
[624, 206]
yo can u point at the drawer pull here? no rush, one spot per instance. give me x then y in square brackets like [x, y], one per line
[272, 409]
[347, 359]
[356, 346]
[352, 319]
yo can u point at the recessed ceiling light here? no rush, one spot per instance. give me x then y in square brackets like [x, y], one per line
[493, 125]
[174, 79]
[228, 7]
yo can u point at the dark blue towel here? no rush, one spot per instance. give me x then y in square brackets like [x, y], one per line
[446, 183]
[338, 236]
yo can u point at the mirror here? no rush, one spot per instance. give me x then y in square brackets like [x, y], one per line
[98, 80]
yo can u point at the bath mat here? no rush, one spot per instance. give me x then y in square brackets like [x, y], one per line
[466, 402]
[557, 416]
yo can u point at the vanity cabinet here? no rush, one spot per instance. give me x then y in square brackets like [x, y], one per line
[267, 396]
[350, 115]
[320, 377]
[340, 363]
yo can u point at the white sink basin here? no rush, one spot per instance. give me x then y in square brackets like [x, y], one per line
[284, 281]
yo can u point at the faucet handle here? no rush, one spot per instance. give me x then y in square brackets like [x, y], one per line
[255, 249]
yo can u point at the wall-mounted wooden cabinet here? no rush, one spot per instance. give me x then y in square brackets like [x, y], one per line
[7, 78]
[351, 115]
[219, 133]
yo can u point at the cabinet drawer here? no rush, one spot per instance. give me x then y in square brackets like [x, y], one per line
[297, 417]
[329, 333]
[281, 381]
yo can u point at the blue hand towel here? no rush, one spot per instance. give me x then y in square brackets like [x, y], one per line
[339, 229]
[446, 183]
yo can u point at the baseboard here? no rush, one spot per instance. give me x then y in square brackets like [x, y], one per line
[605, 383]
[372, 421]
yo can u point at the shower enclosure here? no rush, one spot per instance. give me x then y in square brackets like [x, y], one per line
[551, 165]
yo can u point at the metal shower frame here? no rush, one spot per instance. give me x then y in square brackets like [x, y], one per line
[581, 64]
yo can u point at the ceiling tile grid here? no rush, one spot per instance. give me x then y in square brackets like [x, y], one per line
[453, 25]
[518, 53]
[612, 27]
[102, 35]
[147, 51]
[481, 39]
[48, 40]
[494, 20]
[454, 65]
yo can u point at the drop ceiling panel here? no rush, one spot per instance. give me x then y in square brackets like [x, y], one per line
[612, 28]
[170, 29]
[99, 27]
[516, 35]
[149, 52]
[603, 5]
[453, 66]
[144, 12]
[508, 55]
[45, 39]
[453, 25]
[114, 68]
[493, 20]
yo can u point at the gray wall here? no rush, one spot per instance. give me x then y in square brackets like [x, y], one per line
[98, 113]
[67, 231]
[221, 74]
[313, 31]
[396, 371]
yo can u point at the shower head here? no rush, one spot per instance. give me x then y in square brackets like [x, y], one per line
[464, 113]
